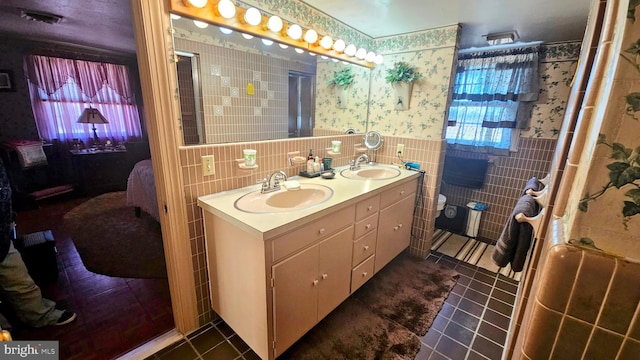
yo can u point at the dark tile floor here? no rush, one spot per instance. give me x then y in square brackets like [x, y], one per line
[115, 315]
[472, 323]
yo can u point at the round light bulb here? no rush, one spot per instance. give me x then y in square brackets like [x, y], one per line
[311, 36]
[284, 46]
[326, 42]
[247, 36]
[361, 53]
[252, 16]
[227, 9]
[350, 50]
[312, 54]
[370, 57]
[295, 32]
[274, 24]
[267, 42]
[175, 17]
[225, 31]
[200, 24]
[323, 57]
[299, 51]
[379, 59]
[198, 3]
[334, 60]
[339, 45]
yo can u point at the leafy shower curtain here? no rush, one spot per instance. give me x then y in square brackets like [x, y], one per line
[493, 93]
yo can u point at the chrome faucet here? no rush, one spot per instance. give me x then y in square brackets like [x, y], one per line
[355, 164]
[273, 182]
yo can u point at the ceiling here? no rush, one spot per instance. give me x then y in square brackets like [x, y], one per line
[106, 24]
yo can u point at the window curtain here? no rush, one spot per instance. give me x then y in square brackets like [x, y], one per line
[493, 91]
[61, 89]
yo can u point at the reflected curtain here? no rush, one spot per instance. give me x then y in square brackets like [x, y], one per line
[493, 91]
[61, 88]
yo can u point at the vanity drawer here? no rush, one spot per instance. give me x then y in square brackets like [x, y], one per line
[364, 247]
[310, 233]
[367, 207]
[366, 225]
[397, 193]
[362, 273]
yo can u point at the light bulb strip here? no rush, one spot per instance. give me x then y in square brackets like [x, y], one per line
[210, 14]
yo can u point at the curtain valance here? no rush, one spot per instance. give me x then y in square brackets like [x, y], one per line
[51, 73]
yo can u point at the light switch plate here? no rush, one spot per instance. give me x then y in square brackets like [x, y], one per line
[400, 150]
[207, 165]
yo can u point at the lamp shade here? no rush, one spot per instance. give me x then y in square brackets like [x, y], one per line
[91, 116]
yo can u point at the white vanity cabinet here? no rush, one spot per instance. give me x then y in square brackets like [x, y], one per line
[394, 223]
[309, 285]
[274, 277]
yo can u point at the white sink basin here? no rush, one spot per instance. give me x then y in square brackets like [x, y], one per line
[307, 196]
[375, 172]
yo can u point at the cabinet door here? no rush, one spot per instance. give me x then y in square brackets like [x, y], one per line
[295, 294]
[394, 231]
[335, 271]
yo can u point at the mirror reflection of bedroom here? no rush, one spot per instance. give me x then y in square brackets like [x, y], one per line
[86, 215]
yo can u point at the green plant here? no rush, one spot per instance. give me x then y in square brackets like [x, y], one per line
[342, 78]
[402, 72]
[623, 171]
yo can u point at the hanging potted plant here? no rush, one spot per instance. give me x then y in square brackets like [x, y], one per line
[401, 77]
[341, 81]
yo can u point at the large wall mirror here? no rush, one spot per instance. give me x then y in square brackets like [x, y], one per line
[236, 88]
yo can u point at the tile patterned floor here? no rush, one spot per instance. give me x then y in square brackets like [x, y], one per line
[472, 323]
[115, 315]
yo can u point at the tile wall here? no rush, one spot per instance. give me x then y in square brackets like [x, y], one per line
[230, 112]
[506, 178]
[586, 307]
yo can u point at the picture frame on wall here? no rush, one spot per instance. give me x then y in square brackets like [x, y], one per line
[6, 80]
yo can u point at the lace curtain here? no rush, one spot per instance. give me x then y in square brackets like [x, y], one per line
[493, 91]
[61, 89]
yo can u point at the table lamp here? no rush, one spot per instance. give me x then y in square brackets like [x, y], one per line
[92, 116]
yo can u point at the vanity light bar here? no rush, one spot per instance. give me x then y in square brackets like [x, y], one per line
[220, 15]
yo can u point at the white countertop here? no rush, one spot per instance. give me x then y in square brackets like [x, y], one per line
[267, 225]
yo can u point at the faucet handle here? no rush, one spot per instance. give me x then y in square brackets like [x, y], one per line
[265, 183]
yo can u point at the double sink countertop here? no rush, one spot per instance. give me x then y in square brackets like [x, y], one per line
[264, 226]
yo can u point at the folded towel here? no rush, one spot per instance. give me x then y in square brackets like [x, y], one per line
[515, 240]
[533, 184]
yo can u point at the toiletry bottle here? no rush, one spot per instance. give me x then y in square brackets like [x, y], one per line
[310, 157]
[316, 165]
[310, 166]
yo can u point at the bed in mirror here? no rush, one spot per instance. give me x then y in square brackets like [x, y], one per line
[237, 88]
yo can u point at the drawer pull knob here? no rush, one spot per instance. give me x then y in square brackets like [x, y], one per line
[325, 276]
[395, 228]
[366, 247]
[402, 192]
[315, 282]
[399, 225]
[368, 226]
[321, 231]
[369, 207]
[364, 274]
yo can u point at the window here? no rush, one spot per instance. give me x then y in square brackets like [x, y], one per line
[492, 99]
[61, 89]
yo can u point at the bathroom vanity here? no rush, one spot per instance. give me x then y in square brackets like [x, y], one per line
[273, 276]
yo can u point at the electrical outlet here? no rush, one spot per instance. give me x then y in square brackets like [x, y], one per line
[207, 165]
[400, 150]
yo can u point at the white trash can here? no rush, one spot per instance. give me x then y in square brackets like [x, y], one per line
[473, 217]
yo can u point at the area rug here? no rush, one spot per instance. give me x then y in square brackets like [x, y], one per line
[384, 318]
[112, 241]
